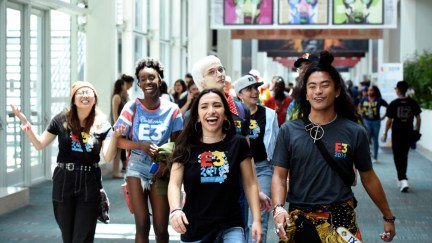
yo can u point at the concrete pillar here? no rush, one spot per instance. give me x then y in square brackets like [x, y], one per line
[127, 58]
[101, 50]
[199, 32]
[408, 28]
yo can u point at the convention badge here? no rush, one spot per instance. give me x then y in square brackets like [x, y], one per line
[347, 235]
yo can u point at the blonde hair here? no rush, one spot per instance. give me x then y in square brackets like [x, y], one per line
[199, 66]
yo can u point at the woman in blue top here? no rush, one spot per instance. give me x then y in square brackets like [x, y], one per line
[370, 107]
[151, 122]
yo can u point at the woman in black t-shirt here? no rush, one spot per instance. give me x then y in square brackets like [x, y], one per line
[210, 159]
[82, 132]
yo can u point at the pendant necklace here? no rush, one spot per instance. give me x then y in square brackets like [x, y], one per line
[316, 132]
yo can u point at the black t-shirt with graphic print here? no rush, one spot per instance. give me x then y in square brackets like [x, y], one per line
[403, 111]
[70, 150]
[211, 182]
[256, 134]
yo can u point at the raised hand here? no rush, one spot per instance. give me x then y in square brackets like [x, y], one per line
[21, 116]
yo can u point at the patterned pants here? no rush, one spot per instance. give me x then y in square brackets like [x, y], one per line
[324, 223]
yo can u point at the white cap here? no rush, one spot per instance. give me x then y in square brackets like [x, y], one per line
[245, 82]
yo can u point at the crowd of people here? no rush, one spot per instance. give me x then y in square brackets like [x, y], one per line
[242, 152]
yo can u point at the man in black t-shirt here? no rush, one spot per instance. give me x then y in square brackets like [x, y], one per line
[400, 116]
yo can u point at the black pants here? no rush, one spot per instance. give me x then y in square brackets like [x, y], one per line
[401, 142]
[75, 200]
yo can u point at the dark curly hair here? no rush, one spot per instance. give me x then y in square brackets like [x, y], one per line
[150, 63]
[344, 105]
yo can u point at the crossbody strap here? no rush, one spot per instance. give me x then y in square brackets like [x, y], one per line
[348, 179]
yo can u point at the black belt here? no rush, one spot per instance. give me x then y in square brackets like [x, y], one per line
[73, 166]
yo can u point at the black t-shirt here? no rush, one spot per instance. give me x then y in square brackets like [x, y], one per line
[211, 182]
[256, 134]
[403, 111]
[70, 150]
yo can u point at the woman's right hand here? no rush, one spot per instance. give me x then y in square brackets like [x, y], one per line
[21, 116]
[178, 220]
[150, 149]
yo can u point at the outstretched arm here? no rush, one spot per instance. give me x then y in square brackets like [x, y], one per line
[373, 187]
[177, 217]
[110, 146]
[39, 142]
[251, 189]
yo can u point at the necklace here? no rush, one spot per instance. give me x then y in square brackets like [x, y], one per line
[215, 139]
[316, 131]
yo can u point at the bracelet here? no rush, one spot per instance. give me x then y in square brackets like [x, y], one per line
[277, 205]
[278, 212]
[26, 127]
[173, 211]
[392, 219]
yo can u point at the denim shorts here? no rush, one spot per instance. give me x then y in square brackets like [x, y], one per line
[139, 166]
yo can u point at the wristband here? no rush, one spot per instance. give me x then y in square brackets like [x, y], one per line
[391, 219]
[26, 127]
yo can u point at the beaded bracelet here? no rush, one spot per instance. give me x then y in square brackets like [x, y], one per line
[26, 127]
[278, 211]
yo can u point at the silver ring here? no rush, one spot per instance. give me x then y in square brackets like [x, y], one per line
[388, 234]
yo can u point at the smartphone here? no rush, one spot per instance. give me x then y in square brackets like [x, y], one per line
[154, 167]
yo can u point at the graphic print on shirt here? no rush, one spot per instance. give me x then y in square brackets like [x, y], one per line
[341, 150]
[214, 167]
[254, 129]
[404, 112]
[370, 109]
[150, 129]
[87, 140]
[238, 125]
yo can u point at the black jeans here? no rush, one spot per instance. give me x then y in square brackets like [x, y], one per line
[401, 142]
[76, 198]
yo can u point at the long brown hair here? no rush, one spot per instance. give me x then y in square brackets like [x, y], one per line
[72, 119]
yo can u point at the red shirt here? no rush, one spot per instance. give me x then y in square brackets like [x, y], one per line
[281, 110]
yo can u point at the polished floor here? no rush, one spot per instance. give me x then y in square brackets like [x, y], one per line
[35, 223]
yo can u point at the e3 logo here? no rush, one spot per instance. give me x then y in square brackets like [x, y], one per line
[152, 132]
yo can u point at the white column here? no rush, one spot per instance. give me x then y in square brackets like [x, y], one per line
[127, 58]
[199, 32]
[408, 28]
[101, 50]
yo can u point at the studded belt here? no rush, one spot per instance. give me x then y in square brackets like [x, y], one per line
[73, 166]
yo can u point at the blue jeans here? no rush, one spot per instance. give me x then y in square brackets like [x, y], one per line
[373, 127]
[264, 170]
[234, 234]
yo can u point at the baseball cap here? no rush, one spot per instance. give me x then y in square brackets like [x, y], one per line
[245, 82]
[306, 57]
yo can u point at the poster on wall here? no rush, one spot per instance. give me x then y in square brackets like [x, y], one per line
[248, 12]
[303, 12]
[358, 12]
[296, 47]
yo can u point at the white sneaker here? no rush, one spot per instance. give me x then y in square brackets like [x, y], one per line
[404, 186]
[374, 161]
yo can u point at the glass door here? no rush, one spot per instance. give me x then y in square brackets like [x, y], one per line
[14, 142]
[36, 103]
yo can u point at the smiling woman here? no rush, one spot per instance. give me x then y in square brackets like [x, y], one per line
[82, 132]
[150, 122]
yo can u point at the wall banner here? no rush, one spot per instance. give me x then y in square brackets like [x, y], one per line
[303, 14]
